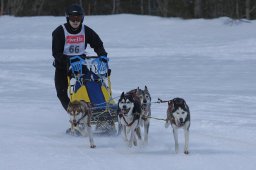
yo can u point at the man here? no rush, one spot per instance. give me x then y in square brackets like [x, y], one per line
[71, 39]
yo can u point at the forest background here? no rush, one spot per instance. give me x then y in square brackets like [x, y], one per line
[187, 9]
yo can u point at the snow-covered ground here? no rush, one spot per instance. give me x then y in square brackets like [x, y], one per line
[209, 63]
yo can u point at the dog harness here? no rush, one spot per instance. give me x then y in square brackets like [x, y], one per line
[136, 117]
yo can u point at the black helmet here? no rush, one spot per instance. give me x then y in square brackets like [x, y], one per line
[75, 10]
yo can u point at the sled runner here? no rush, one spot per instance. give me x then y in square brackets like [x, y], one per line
[89, 80]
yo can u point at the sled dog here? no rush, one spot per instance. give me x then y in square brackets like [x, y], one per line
[145, 101]
[80, 119]
[129, 112]
[178, 115]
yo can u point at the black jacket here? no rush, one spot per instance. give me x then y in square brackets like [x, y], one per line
[58, 42]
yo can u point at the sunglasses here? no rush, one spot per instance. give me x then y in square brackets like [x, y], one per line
[75, 18]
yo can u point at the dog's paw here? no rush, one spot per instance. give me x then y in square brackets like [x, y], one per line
[125, 139]
[130, 144]
[135, 143]
[176, 149]
[93, 146]
[186, 152]
[145, 142]
[73, 132]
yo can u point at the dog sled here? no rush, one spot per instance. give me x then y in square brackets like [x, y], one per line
[89, 80]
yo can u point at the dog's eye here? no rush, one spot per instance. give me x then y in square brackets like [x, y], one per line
[182, 112]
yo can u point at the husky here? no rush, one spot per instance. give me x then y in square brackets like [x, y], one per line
[178, 116]
[129, 112]
[80, 119]
[145, 100]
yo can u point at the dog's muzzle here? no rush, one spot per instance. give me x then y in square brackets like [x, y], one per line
[181, 122]
[144, 106]
[124, 107]
[74, 123]
[124, 111]
[74, 118]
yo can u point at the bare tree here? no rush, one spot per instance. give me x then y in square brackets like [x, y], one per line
[163, 7]
[37, 6]
[142, 6]
[149, 7]
[2, 7]
[248, 9]
[17, 6]
[89, 9]
[237, 10]
[116, 6]
[198, 9]
[91, 5]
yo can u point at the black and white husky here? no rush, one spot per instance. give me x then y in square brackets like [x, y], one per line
[129, 112]
[178, 115]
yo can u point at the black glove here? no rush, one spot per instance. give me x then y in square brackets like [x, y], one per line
[104, 58]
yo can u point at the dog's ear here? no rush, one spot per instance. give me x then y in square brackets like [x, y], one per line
[146, 88]
[186, 106]
[122, 95]
[69, 107]
[137, 90]
[170, 105]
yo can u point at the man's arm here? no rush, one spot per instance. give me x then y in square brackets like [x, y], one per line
[58, 40]
[95, 41]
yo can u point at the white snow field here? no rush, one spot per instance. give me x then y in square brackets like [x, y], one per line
[209, 63]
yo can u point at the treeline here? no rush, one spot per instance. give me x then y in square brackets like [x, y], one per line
[236, 9]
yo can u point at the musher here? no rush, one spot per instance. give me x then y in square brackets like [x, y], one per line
[71, 39]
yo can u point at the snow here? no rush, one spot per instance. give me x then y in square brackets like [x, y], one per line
[209, 63]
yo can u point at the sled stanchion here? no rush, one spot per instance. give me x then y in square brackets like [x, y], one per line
[89, 80]
[109, 84]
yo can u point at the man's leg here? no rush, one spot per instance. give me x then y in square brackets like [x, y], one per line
[61, 85]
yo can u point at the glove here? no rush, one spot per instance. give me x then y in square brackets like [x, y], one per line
[104, 58]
